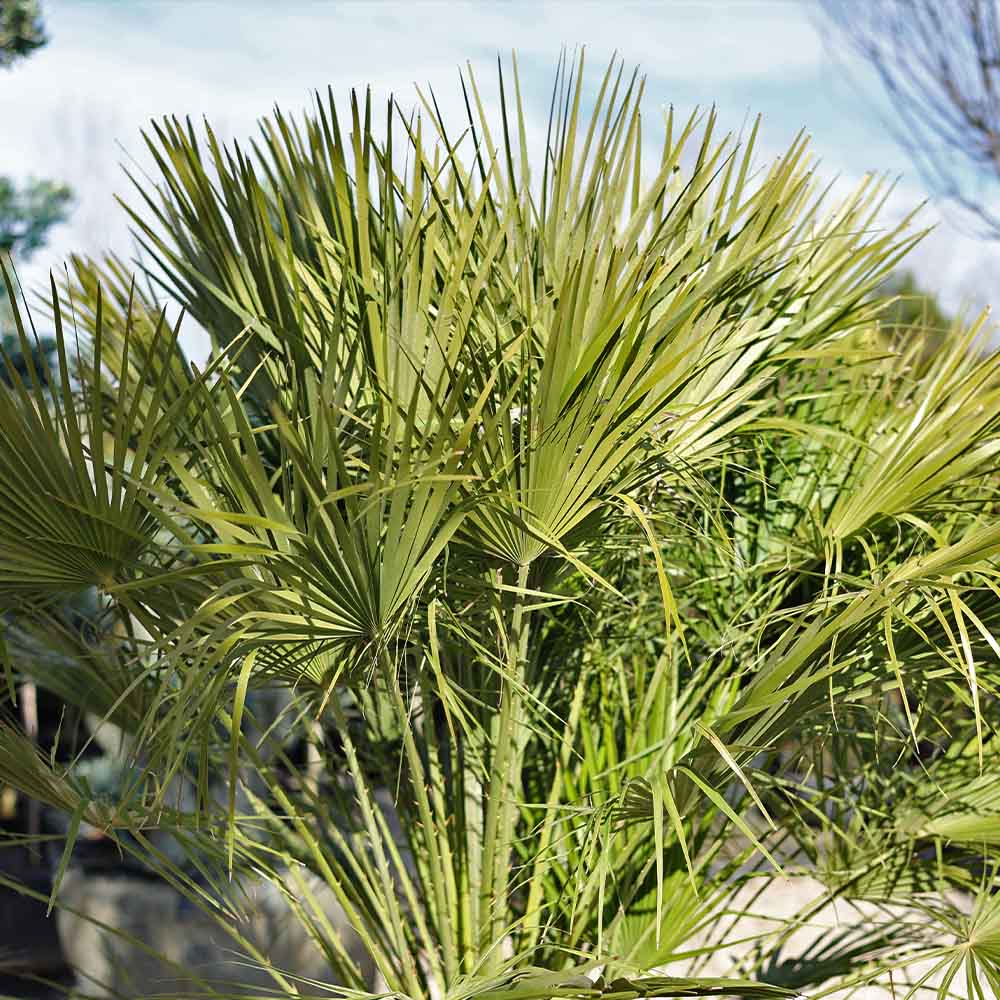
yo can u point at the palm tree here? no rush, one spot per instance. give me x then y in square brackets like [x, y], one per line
[615, 564]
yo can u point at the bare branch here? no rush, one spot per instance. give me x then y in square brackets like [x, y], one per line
[939, 64]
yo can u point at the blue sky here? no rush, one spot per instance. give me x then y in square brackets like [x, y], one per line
[74, 111]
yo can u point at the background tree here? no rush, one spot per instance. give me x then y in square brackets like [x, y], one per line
[22, 30]
[939, 64]
[913, 315]
[913, 307]
[30, 210]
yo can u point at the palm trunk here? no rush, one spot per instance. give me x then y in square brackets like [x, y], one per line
[28, 697]
[502, 806]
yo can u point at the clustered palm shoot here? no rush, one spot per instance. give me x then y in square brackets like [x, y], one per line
[582, 504]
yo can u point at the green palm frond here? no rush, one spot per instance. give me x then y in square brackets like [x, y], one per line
[606, 555]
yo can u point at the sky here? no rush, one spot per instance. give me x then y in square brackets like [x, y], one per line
[75, 110]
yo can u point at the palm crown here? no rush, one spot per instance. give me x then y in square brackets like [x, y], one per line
[611, 556]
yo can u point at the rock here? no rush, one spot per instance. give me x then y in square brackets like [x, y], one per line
[182, 944]
[783, 901]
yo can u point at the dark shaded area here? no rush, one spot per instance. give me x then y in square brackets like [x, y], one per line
[32, 963]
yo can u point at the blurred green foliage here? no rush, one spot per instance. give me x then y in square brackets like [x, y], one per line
[22, 30]
[914, 305]
[28, 212]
